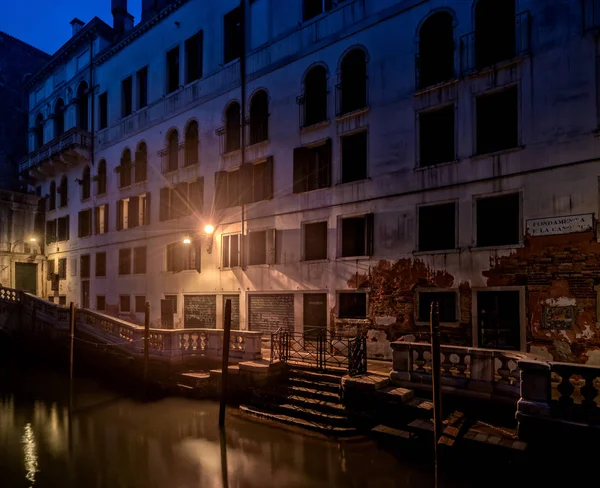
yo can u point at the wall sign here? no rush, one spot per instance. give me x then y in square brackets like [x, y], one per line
[558, 318]
[560, 225]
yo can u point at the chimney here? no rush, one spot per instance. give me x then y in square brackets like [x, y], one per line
[76, 25]
[122, 20]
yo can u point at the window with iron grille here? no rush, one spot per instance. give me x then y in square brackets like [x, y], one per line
[124, 303]
[100, 264]
[140, 304]
[352, 305]
[62, 268]
[100, 303]
[312, 167]
[124, 261]
[84, 266]
[354, 157]
[85, 223]
[139, 260]
[315, 241]
[231, 251]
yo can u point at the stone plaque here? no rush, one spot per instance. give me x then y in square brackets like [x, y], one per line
[560, 225]
[558, 318]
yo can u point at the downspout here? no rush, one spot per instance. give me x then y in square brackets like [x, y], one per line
[243, 121]
[92, 110]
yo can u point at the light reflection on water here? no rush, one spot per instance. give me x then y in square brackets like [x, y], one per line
[29, 454]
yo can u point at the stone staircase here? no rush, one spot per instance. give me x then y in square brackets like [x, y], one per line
[308, 400]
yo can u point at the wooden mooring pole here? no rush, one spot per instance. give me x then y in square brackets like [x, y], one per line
[146, 345]
[71, 338]
[434, 324]
[225, 364]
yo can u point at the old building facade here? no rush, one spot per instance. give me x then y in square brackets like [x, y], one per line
[378, 155]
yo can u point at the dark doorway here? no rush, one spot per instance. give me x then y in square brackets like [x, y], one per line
[26, 277]
[85, 294]
[499, 319]
[315, 314]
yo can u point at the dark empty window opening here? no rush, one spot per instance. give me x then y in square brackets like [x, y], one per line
[354, 157]
[142, 87]
[357, 236]
[437, 227]
[352, 305]
[124, 261]
[436, 136]
[100, 303]
[100, 264]
[85, 223]
[141, 163]
[191, 144]
[39, 131]
[63, 228]
[84, 266]
[52, 196]
[139, 260]
[232, 127]
[103, 110]
[353, 87]
[124, 303]
[498, 220]
[173, 299]
[193, 58]
[497, 121]
[125, 169]
[315, 96]
[312, 167]
[315, 241]
[312, 8]
[62, 268]
[173, 151]
[258, 247]
[126, 96]
[436, 50]
[259, 117]
[86, 183]
[59, 118]
[495, 31]
[231, 251]
[140, 304]
[101, 178]
[64, 192]
[232, 35]
[499, 319]
[82, 106]
[446, 301]
[173, 70]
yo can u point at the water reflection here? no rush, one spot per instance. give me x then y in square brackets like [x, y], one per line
[30, 454]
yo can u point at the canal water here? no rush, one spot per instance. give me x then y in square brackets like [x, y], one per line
[112, 440]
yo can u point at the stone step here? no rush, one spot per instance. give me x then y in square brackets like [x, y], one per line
[311, 374]
[385, 432]
[193, 379]
[420, 407]
[323, 406]
[313, 393]
[321, 428]
[312, 415]
[317, 385]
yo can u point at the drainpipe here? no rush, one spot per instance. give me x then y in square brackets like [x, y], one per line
[92, 110]
[243, 121]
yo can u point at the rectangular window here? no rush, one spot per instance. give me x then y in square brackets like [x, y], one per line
[193, 57]
[62, 268]
[497, 121]
[233, 188]
[436, 136]
[85, 223]
[126, 96]
[312, 167]
[63, 228]
[124, 261]
[498, 220]
[173, 299]
[499, 319]
[352, 305]
[437, 227]
[127, 212]
[182, 257]
[100, 303]
[51, 267]
[142, 87]
[124, 303]
[258, 247]
[100, 264]
[173, 70]
[143, 210]
[50, 231]
[140, 304]
[354, 157]
[84, 266]
[101, 219]
[139, 260]
[232, 33]
[357, 236]
[312, 8]
[231, 251]
[446, 301]
[103, 110]
[62, 300]
[315, 241]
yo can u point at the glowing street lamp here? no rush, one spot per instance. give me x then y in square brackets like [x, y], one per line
[187, 240]
[209, 229]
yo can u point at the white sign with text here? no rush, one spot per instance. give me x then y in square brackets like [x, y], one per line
[560, 225]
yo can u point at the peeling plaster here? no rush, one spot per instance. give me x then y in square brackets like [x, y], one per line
[561, 302]
[587, 333]
[593, 357]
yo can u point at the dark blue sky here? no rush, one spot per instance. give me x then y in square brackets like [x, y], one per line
[45, 23]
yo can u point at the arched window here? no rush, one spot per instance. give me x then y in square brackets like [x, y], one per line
[495, 31]
[64, 192]
[353, 77]
[125, 169]
[232, 127]
[259, 117]
[82, 106]
[436, 50]
[85, 183]
[315, 96]
[59, 118]
[52, 196]
[101, 178]
[191, 144]
[141, 163]
[39, 131]
[173, 151]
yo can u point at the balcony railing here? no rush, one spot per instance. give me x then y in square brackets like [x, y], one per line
[352, 97]
[73, 138]
[230, 138]
[170, 158]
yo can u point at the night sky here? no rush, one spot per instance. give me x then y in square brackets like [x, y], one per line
[45, 23]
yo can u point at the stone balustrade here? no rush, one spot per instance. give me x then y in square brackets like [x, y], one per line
[474, 372]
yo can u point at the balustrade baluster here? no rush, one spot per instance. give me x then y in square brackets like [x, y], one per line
[420, 360]
[447, 364]
[565, 387]
[461, 366]
[503, 371]
[589, 391]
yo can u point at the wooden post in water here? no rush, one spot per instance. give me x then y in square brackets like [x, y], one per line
[71, 338]
[146, 345]
[225, 364]
[434, 323]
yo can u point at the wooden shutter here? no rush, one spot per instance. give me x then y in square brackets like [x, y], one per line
[221, 189]
[164, 205]
[80, 223]
[120, 215]
[246, 183]
[268, 175]
[196, 195]
[133, 212]
[97, 220]
[300, 169]
[147, 210]
[68, 225]
[106, 217]
[181, 200]
[271, 246]
[369, 234]
[325, 154]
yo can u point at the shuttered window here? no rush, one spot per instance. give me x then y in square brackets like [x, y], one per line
[100, 264]
[312, 167]
[139, 260]
[253, 182]
[124, 261]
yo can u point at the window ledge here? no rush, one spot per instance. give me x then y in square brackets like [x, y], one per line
[438, 251]
[362, 180]
[313, 127]
[230, 269]
[262, 265]
[231, 154]
[314, 261]
[499, 248]
[436, 86]
[257, 144]
[437, 165]
[498, 65]
[353, 258]
[83, 200]
[478, 156]
[442, 324]
[354, 113]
